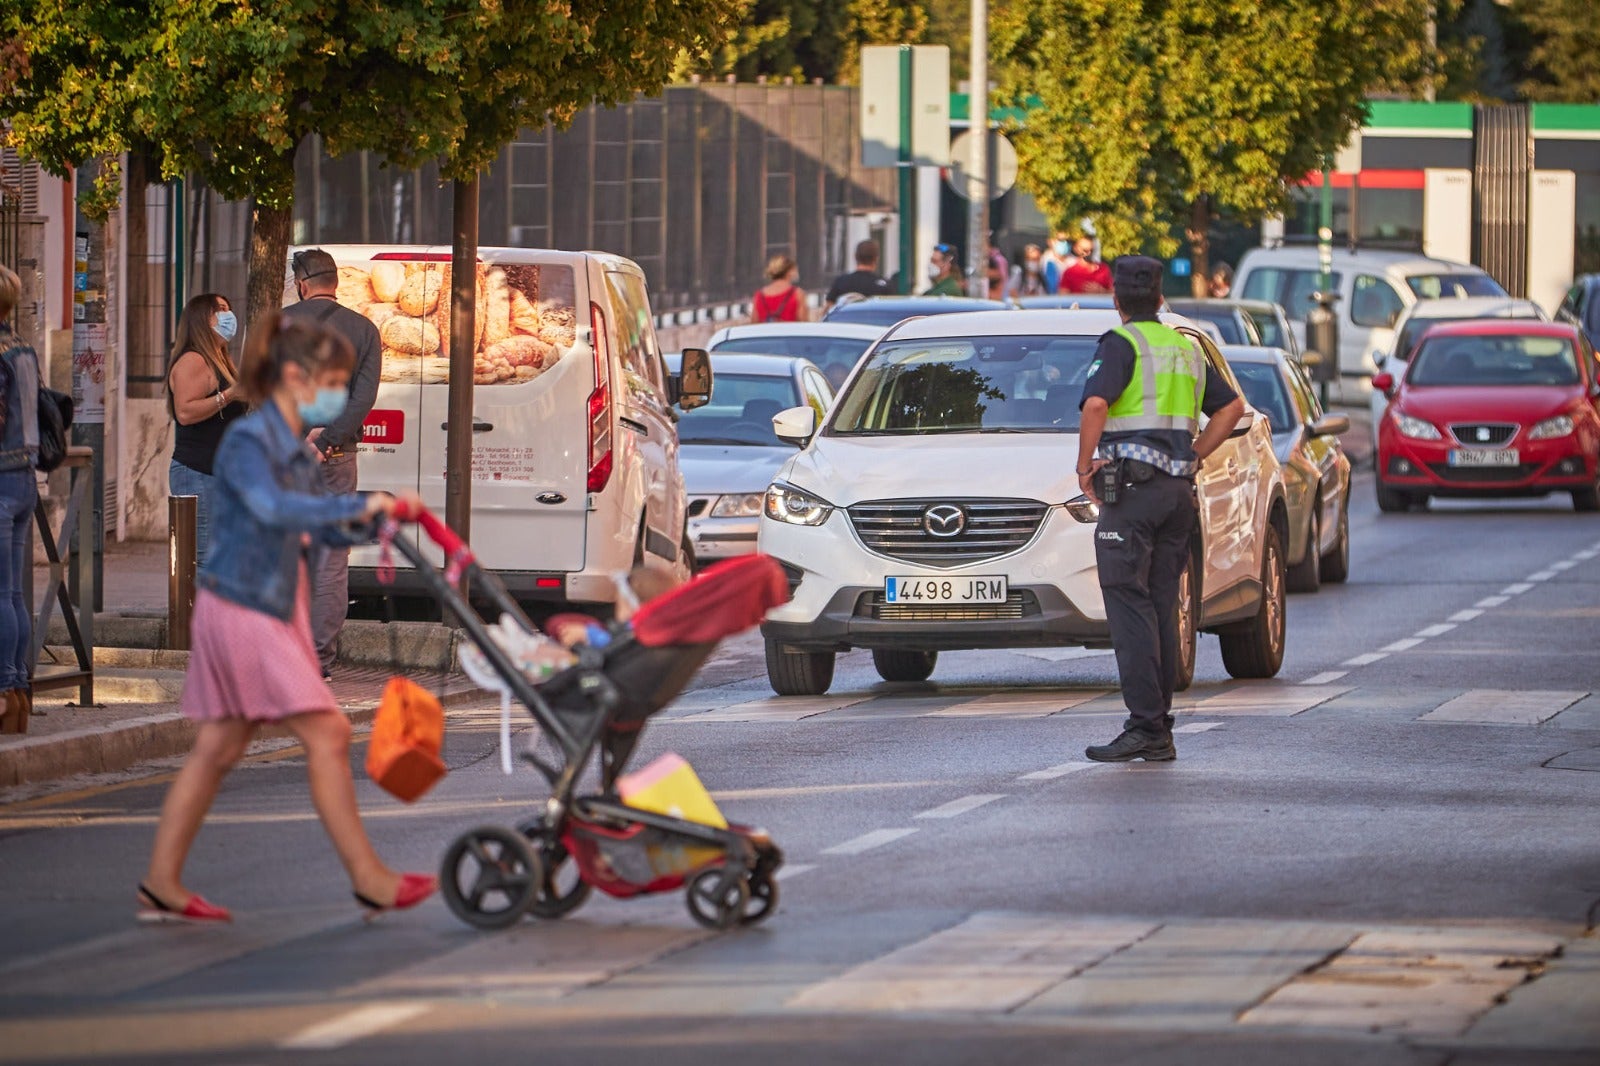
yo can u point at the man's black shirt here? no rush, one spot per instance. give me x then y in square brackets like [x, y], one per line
[865, 282]
[1112, 372]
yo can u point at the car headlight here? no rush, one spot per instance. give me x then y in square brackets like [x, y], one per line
[1083, 509]
[785, 503]
[1416, 428]
[742, 505]
[1551, 428]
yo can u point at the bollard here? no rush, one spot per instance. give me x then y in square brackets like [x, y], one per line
[181, 513]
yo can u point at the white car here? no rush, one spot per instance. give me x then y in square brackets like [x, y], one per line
[729, 451]
[1415, 322]
[936, 508]
[833, 346]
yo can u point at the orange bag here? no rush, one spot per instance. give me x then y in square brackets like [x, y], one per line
[407, 735]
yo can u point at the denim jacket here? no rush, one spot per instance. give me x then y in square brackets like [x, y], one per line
[267, 495]
[19, 443]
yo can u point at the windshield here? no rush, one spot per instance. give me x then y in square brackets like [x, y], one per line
[1504, 359]
[740, 411]
[1452, 286]
[1416, 327]
[888, 312]
[1264, 390]
[834, 355]
[1227, 323]
[1268, 325]
[965, 385]
[1288, 287]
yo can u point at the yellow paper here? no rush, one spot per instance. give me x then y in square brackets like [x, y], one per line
[670, 786]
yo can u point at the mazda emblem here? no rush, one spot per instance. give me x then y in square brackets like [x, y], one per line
[944, 520]
[1483, 433]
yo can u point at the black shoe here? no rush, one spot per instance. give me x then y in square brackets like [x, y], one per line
[1134, 744]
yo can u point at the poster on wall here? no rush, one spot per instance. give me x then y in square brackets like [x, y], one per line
[88, 373]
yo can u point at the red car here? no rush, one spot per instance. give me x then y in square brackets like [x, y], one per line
[1495, 407]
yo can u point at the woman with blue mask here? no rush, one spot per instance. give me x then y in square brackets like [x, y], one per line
[202, 383]
[251, 659]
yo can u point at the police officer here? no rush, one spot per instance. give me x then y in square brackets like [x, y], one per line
[1141, 409]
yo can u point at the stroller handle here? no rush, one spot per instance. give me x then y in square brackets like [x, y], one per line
[446, 538]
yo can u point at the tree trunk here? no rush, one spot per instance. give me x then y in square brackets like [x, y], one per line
[1199, 235]
[269, 251]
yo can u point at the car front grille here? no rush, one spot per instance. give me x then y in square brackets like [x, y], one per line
[990, 528]
[1472, 474]
[1017, 605]
[1483, 434]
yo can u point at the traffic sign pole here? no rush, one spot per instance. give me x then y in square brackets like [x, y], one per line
[978, 114]
[907, 175]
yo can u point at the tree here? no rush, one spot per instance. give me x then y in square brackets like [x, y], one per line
[230, 91]
[1565, 40]
[808, 39]
[1153, 113]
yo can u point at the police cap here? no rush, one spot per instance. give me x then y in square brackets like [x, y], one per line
[1136, 275]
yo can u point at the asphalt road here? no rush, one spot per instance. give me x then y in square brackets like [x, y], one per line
[1388, 854]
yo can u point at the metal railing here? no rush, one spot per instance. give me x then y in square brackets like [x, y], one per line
[71, 578]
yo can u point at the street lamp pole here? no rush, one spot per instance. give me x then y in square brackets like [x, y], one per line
[978, 139]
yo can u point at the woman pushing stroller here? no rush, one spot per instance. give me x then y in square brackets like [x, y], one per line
[252, 659]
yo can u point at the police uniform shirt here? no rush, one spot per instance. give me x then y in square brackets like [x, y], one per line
[865, 282]
[1112, 372]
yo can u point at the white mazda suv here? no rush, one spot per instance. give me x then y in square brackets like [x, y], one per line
[935, 508]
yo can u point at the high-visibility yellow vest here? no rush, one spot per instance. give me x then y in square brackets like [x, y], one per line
[1169, 378]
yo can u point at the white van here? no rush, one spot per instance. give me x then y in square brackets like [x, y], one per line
[575, 448]
[1374, 287]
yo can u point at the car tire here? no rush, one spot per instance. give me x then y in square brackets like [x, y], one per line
[793, 672]
[1392, 501]
[1336, 564]
[897, 664]
[1587, 499]
[1255, 648]
[1306, 575]
[1188, 615]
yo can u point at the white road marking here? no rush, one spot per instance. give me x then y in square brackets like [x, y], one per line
[1060, 655]
[1195, 727]
[867, 841]
[1587, 554]
[1365, 660]
[1542, 575]
[1516, 590]
[1050, 773]
[792, 870]
[1325, 677]
[1564, 564]
[1403, 645]
[1491, 601]
[1471, 612]
[960, 806]
[1436, 631]
[1490, 706]
[1262, 699]
[353, 1025]
[1024, 704]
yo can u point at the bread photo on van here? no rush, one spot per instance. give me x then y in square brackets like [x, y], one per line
[575, 450]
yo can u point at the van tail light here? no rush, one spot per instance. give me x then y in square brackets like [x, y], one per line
[600, 403]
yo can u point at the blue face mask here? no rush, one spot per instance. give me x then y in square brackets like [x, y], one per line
[227, 325]
[328, 405]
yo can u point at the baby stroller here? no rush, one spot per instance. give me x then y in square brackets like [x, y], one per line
[549, 863]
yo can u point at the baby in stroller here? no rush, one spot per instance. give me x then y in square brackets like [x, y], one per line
[642, 584]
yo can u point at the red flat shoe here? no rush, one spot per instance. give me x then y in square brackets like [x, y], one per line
[197, 911]
[414, 888]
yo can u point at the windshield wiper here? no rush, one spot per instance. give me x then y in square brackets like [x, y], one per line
[1027, 429]
[727, 440]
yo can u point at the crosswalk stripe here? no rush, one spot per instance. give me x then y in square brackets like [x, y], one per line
[990, 962]
[353, 1025]
[1503, 706]
[1276, 700]
[958, 807]
[867, 841]
[1403, 645]
[1435, 631]
[1366, 659]
[1017, 704]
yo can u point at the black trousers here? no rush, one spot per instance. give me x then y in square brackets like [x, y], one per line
[1141, 546]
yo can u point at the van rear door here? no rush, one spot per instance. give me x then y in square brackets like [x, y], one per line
[533, 385]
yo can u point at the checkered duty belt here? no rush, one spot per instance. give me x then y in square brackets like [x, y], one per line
[1158, 459]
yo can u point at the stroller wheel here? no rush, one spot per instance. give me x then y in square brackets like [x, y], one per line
[763, 901]
[714, 905]
[562, 890]
[489, 877]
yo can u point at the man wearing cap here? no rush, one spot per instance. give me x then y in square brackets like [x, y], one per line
[1147, 388]
[316, 282]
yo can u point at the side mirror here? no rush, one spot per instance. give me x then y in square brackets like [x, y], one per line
[692, 384]
[1330, 426]
[1246, 424]
[1378, 359]
[797, 425]
[1384, 383]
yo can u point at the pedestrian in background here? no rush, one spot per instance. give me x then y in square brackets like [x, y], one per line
[1147, 387]
[1056, 260]
[1220, 285]
[781, 299]
[1027, 277]
[19, 491]
[201, 389]
[1084, 274]
[251, 659]
[944, 270]
[997, 276]
[316, 281]
[864, 280]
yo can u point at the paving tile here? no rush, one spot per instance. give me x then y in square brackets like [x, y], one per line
[1491, 706]
[1556, 1010]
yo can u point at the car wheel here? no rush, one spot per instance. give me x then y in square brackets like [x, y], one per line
[1306, 575]
[1255, 648]
[895, 664]
[792, 672]
[1392, 501]
[1586, 499]
[1188, 612]
[1336, 564]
